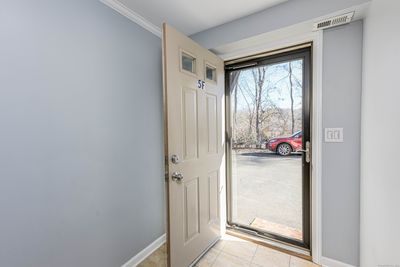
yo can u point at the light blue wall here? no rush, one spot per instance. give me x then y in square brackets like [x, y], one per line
[341, 104]
[277, 17]
[81, 135]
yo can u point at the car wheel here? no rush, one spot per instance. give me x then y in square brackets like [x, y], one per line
[284, 149]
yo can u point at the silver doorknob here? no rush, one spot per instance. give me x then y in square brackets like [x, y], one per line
[177, 177]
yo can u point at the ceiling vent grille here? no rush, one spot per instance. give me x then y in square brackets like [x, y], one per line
[335, 21]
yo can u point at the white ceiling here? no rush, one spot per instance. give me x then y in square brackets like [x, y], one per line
[191, 16]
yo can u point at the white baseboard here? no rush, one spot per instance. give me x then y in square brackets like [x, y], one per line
[142, 255]
[327, 262]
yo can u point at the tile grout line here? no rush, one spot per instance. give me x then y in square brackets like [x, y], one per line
[252, 258]
[235, 256]
[219, 253]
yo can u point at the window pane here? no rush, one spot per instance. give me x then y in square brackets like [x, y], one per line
[211, 73]
[188, 63]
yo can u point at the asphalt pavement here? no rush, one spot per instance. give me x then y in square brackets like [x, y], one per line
[267, 186]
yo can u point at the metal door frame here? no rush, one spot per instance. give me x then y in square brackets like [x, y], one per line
[303, 51]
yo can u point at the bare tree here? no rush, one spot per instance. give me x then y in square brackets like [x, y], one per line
[291, 94]
[294, 85]
[256, 107]
[250, 111]
[255, 92]
[259, 79]
[234, 82]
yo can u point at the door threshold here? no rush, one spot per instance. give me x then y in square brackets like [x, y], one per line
[270, 243]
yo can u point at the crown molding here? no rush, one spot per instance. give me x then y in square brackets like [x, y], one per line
[133, 16]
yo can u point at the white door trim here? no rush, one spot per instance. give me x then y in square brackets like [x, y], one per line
[263, 43]
[327, 262]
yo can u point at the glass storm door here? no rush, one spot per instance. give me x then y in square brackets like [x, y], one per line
[268, 146]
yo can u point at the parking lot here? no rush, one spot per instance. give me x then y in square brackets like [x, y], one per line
[267, 188]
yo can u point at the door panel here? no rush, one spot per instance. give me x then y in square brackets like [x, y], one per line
[192, 202]
[213, 199]
[190, 131]
[193, 101]
[212, 127]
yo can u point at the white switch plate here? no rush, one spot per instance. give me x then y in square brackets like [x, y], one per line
[334, 135]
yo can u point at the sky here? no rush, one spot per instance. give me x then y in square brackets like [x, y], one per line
[277, 83]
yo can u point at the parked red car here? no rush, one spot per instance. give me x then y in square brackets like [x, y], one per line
[284, 146]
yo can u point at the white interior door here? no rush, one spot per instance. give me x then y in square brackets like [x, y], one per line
[194, 100]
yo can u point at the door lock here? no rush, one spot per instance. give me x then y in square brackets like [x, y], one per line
[177, 177]
[175, 159]
[307, 151]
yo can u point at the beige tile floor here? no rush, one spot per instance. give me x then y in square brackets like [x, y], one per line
[157, 259]
[234, 252]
